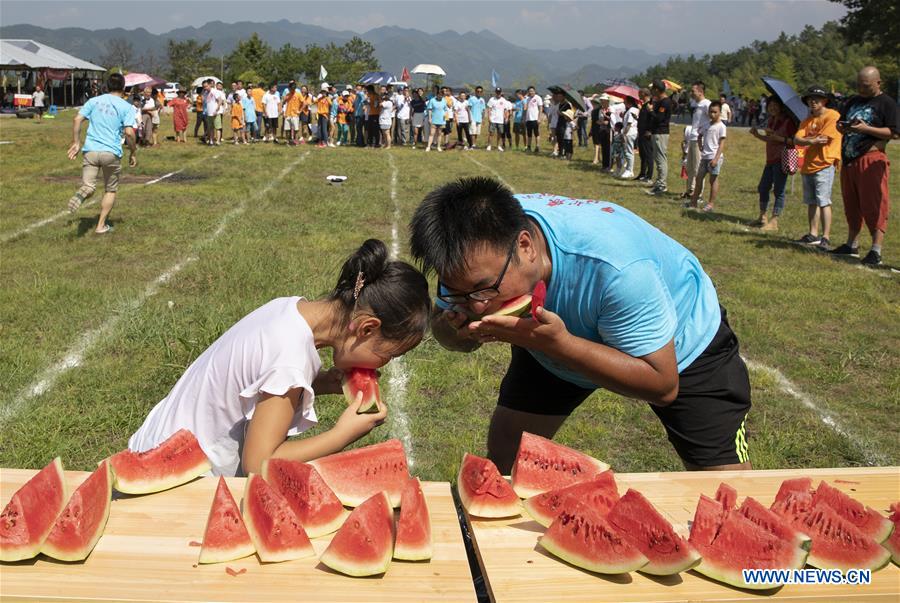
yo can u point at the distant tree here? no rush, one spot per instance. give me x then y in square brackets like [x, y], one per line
[119, 55]
[875, 21]
[783, 69]
[250, 54]
[150, 63]
[188, 60]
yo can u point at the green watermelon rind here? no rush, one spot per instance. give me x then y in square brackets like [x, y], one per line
[531, 443]
[350, 566]
[735, 577]
[128, 462]
[515, 307]
[369, 406]
[55, 551]
[352, 486]
[406, 551]
[313, 530]
[239, 550]
[32, 548]
[509, 507]
[265, 555]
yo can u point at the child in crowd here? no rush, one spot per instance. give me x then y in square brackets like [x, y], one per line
[566, 148]
[250, 131]
[333, 111]
[386, 120]
[237, 118]
[254, 387]
[323, 108]
[345, 113]
[712, 154]
[618, 148]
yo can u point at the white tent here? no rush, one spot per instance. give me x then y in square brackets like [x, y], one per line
[18, 55]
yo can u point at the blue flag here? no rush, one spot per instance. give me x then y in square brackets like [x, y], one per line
[726, 87]
[495, 79]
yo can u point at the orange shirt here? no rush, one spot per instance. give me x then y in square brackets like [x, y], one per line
[324, 105]
[304, 103]
[237, 116]
[292, 105]
[198, 104]
[821, 156]
[347, 107]
[256, 94]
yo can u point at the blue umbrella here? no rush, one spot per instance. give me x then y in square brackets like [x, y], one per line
[378, 77]
[787, 96]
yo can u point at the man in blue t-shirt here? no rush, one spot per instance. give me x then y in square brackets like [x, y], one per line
[627, 309]
[477, 105]
[436, 109]
[519, 116]
[110, 117]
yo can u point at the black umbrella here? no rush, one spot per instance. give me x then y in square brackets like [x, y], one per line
[787, 96]
[571, 95]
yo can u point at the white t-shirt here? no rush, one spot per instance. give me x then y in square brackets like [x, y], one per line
[630, 122]
[242, 93]
[711, 140]
[616, 112]
[268, 352]
[271, 104]
[38, 97]
[387, 114]
[532, 107]
[222, 99]
[726, 113]
[699, 118]
[497, 107]
[402, 107]
[461, 108]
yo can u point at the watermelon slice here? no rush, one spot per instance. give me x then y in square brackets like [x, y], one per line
[741, 544]
[772, 523]
[483, 491]
[414, 526]
[226, 537]
[726, 496]
[652, 534]
[538, 297]
[893, 542]
[600, 493]
[837, 543]
[176, 461]
[869, 521]
[362, 383]
[585, 539]
[316, 506]
[80, 526]
[364, 544]
[274, 529]
[515, 306]
[708, 520]
[356, 475]
[31, 513]
[543, 465]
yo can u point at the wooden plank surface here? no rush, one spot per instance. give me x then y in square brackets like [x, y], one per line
[517, 568]
[145, 555]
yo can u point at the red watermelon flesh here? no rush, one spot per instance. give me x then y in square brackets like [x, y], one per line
[514, 307]
[741, 544]
[837, 543]
[80, 526]
[176, 461]
[483, 491]
[869, 521]
[600, 493]
[414, 526]
[893, 542]
[726, 496]
[315, 504]
[356, 475]
[362, 383]
[274, 529]
[543, 465]
[30, 514]
[226, 537]
[643, 526]
[769, 521]
[586, 539]
[538, 297]
[364, 544]
[798, 490]
[707, 521]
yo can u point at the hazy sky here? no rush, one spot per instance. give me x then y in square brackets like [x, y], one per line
[674, 26]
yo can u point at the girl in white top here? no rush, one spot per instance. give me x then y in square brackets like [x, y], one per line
[254, 387]
[629, 136]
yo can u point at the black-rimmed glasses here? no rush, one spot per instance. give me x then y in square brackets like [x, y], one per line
[485, 294]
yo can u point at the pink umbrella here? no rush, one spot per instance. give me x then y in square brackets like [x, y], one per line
[141, 79]
[623, 90]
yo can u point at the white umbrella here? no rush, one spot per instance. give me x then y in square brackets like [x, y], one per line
[429, 69]
[199, 81]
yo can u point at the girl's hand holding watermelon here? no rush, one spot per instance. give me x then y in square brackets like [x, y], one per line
[352, 425]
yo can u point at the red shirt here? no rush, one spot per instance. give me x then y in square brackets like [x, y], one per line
[783, 127]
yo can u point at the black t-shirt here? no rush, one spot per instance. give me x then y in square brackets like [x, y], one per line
[417, 105]
[644, 117]
[662, 111]
[878, 111]
[599, 120]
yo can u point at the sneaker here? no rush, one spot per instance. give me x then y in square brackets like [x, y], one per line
[500, 149]
[824, 244]
[440, 150]
[873, 258]
[627, 175]
[770, 226]
[846, 250]
[808, 239]
[488, 148]
[427, 149]
[657, 191]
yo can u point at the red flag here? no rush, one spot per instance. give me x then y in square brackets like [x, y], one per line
[405, 77]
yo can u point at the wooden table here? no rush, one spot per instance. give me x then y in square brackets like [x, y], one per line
[517, 568]
[145, 555]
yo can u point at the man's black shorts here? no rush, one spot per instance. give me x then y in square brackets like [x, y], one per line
[518, 128]
[705, 423]
[531, 128]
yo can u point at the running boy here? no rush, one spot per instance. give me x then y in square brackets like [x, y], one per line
[712, 147]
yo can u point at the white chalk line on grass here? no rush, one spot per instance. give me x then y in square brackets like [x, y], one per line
[872, 457]
[785, 385]
[87, 340]
[35, 225]
[398, 374]
[493, 171]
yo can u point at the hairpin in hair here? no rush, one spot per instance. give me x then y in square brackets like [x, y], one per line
[360, 282]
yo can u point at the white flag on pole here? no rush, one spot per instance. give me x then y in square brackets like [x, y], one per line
[322, 73]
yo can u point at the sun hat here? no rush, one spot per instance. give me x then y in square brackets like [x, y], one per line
[815, 91]
[323, 87]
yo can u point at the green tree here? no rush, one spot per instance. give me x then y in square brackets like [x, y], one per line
[875, 21]
[189, 60]
[119, 55]
[250, 54]
[783, 69]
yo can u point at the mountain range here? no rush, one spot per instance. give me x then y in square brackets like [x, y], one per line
[466, 57]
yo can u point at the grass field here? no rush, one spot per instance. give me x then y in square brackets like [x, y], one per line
[96, 329]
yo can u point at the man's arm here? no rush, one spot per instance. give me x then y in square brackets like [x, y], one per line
[131, 141]
[76, 136]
